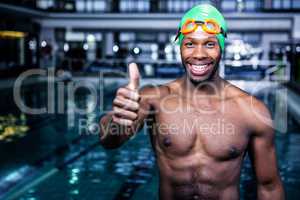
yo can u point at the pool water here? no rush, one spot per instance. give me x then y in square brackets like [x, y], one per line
[79, 168]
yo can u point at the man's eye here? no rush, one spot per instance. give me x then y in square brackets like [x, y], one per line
[210, 44]
[189, 44]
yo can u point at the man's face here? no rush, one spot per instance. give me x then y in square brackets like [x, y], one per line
[200, 54]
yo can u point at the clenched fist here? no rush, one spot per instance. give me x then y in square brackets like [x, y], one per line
[126, 102]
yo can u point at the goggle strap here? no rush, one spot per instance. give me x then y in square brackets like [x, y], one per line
[178, 34]
[223, 33]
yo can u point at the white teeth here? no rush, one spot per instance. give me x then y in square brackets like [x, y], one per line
[199, 67]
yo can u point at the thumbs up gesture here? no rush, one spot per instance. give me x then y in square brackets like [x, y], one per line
[126, 102]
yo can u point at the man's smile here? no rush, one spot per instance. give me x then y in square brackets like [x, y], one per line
[199, 69]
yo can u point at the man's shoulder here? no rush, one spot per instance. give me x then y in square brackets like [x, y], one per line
[244, 98]
[260, 116]
[156, 91]
[256, 112]
[236, 93]
[252, 102]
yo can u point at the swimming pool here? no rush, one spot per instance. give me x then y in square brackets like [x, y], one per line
[74, 166]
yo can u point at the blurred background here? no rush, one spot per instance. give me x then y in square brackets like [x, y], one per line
[62, 61]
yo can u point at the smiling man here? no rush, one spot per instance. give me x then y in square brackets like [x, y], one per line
[200, 125]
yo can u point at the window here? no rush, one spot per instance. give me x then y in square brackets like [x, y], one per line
[99, 5]
[251, 38]
[182, 5]
[241, 5]
[296, 4]
[80, 7]
[45, 4]
[228, 5]
[286, 4]
[277, 4]
[89, 6]
[134, 6]
[251, 5]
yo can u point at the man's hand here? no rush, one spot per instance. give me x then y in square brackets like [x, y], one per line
[126, 102]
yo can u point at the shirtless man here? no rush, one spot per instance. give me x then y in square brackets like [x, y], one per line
[201, 125]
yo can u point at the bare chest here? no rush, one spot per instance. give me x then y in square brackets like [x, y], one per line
[219, 135]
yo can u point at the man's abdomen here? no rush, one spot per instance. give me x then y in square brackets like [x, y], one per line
[201, 191]
[197, 177]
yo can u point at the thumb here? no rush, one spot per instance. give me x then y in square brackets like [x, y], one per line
[134, 76]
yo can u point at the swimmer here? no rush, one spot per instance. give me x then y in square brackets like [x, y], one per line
[201, 126]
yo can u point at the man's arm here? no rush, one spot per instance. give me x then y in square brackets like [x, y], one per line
[263, 155]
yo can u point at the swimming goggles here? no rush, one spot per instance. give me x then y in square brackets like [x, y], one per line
[209, 26]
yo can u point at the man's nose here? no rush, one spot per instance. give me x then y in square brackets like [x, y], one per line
[199, 53]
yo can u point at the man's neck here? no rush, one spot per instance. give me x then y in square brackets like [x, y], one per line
[212, 87]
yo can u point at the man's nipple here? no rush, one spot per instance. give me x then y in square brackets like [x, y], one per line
[233, 152]
[167, 142]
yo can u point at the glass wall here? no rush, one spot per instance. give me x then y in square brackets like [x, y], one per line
[283, 5]
[18, 50]
[155, 6]
[89, 6]
[87, 51]
[134, 6]
[241, 5]
[154, 51]
[77, 50]
[244, 46]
